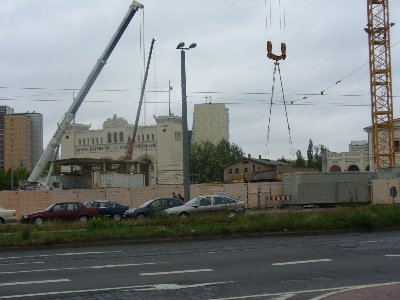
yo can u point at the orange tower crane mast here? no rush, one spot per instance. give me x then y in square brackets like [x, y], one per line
[378, 28]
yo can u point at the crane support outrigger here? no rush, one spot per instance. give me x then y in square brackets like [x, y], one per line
[34, 180]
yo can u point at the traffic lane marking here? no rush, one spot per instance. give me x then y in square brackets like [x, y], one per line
[60, 254]
[354, 288]
[294, 293]
[139, 288]
[301, 262]
[27, 263]
[176, 272]
[82, 268]
[33, 282]
[392, 255]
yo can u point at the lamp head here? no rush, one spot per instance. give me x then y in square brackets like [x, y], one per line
[180, 45]
[192, 45]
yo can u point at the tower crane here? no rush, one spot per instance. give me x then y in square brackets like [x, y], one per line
[378, 29]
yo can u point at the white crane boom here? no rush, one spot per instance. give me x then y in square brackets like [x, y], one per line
[47, 155]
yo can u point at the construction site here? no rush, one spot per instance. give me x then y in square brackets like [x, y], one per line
[151, 160]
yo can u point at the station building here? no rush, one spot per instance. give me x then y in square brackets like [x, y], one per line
[157, 149]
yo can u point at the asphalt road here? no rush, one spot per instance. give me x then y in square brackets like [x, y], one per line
[311, 267]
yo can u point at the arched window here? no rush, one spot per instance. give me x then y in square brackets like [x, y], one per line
[109, 137]
[80, 142]
[97, 141]
[335, 168]
[92, 141]
[115, 137]
[121, 137]
[353, 168]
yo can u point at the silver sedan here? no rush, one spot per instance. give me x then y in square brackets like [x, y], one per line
[208, 204]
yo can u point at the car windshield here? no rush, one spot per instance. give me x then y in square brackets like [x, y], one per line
[146, 203]
[50, 207]
[192, 202]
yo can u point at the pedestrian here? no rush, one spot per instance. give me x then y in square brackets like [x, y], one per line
[181, 198]
[174, 195]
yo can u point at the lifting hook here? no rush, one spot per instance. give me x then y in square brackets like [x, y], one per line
[275, 57]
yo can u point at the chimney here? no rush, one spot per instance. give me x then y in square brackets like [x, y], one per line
[259, 156]
[249, 155]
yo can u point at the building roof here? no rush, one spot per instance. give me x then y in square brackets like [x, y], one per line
[263, 161]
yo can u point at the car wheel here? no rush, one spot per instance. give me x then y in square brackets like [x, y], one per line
[232, 214]
[140, 216]
[38, 221]
[83, 218]
[183, 215]
[117, 217]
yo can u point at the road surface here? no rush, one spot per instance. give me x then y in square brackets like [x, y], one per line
[285, 267]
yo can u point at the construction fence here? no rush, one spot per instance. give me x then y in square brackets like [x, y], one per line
[260, 194]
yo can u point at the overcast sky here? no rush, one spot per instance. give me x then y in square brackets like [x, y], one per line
[52, 45]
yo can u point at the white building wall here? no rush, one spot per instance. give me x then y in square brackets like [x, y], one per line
[396, 144]
[170, 150]
[152, 145]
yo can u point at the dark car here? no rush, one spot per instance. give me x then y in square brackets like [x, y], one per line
[62, 211]
[110, 209]
[151, 207]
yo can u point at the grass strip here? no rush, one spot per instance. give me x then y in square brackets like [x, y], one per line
[361, 218]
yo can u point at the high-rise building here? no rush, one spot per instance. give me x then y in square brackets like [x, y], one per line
[17, 138]
[36, 120]
[210, 123]
[4, 110]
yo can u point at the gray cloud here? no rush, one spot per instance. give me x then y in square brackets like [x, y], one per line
[54, 44]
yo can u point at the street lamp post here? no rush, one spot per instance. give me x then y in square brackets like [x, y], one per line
[186, 179]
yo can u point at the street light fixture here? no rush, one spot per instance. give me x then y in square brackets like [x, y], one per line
[186, 179]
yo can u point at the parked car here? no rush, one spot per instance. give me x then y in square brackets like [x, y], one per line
[7, 215]
[208, 204]
[63, 211]
[151, 207]
[110, 209]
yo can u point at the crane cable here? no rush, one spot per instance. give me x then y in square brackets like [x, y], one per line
[276, 59]
[287, 118]
[270, 106]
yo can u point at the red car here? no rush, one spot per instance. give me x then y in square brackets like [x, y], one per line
[63, 211]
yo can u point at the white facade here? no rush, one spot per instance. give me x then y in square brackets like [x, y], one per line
[159, 146]
[210, 123]
[354, 160]
[396, 144]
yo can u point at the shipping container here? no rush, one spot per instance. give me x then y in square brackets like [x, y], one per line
[327, 189]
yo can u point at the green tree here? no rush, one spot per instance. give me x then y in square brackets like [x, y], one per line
[300, 161]
[318, 157]
[284, 160]
[310, 154]
[18, 174]
[207, 160]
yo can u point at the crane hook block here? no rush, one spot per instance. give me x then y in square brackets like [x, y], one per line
[275, 57]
